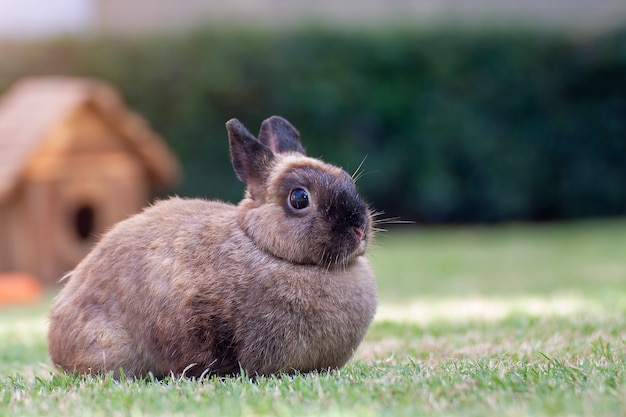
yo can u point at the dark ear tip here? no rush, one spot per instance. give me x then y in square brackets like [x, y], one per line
[234, 124]
[275, 118]
[276, 121]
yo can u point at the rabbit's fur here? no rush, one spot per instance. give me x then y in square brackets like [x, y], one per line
[193, 286]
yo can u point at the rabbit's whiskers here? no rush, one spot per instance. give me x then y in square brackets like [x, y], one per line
[376, 221]
[358, 173]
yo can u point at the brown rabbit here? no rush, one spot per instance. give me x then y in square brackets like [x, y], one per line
[277, 283]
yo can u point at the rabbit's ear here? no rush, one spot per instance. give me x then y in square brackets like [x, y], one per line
[251, 159]
[280, 136]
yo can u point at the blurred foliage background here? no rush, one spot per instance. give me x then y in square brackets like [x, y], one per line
[470, 126]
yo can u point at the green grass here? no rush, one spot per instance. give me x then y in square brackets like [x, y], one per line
[507, 321]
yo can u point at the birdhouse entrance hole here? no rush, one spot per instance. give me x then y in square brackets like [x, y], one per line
[84, 222]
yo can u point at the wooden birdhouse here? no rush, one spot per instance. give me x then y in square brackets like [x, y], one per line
[74, 160]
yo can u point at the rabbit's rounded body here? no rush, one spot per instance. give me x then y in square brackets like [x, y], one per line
[202, 304]
[193, 286]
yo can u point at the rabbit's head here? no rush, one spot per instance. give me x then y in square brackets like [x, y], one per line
[296, 208]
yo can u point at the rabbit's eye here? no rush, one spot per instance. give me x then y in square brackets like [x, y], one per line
[299, 198]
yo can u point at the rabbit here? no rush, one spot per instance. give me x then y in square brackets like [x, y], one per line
[276, 284]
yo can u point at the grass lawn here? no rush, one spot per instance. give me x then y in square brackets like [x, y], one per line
[506, 321]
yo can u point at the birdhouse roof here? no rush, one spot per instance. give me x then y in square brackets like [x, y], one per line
[34, 105]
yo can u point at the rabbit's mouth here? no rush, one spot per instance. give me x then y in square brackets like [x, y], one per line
[352, 245]
[361, 238]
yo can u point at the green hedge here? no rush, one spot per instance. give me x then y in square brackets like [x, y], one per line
[457, 126]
